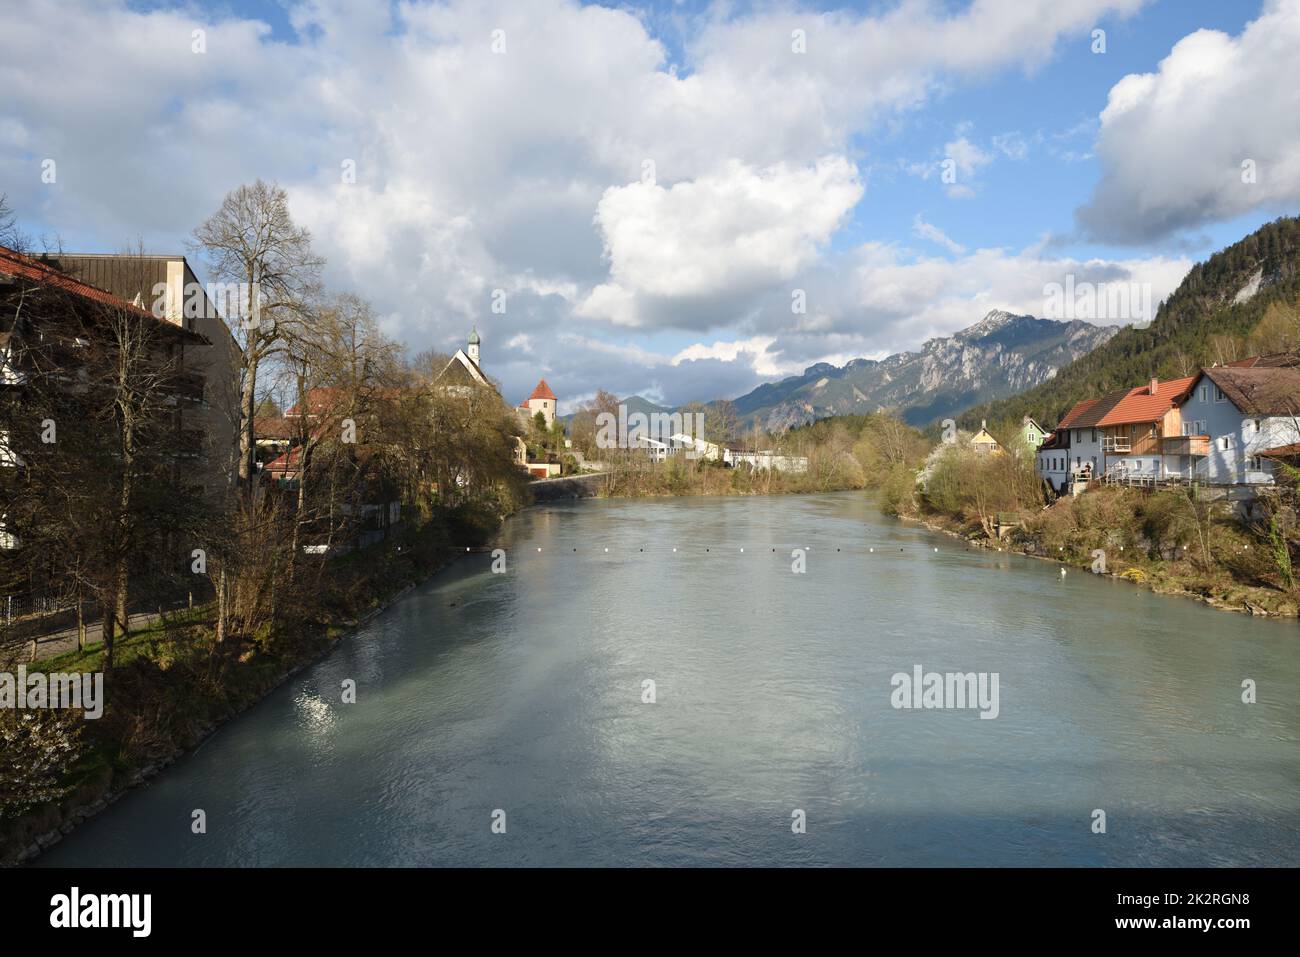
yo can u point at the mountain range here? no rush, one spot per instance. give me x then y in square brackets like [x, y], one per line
[1242, 300]
[1000, 355]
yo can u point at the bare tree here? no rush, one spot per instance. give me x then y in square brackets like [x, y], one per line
[251, 240]
[721, 421]
[8, 226]
[342, 370]
[96, 432]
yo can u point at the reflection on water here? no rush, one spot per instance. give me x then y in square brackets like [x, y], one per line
[523, 692]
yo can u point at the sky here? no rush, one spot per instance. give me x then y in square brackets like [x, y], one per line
[680, 200]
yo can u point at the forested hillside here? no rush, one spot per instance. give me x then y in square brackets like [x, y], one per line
[1243, 300]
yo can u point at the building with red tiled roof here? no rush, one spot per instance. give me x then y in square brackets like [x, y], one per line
[1226, 426]
[54, 327]
[15, 265]
[1125, 432]
[1075, 413]
[542, 400]
[542, 391]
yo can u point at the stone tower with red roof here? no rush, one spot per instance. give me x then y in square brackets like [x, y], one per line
[542, 400]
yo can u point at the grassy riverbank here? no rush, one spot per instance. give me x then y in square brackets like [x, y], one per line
[1175, 541]
[172, 684]
[847, 452]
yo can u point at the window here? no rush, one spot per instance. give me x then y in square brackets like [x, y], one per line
[1226, 443]
[1202, 392]
[1218, 394]
[1094, 435]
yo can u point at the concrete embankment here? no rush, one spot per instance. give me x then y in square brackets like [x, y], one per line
[573, 486]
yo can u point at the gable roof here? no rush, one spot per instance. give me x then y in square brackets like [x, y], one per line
[987, 436]
[290, 461]
[317, 401]
[1274, 360]
[462, 368]
[1130, 405]
[16, 264]
[274, 427]
[1077, 412]
[1259, 390]
[543, 391]
[1054, 441]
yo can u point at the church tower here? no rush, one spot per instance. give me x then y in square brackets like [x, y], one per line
[472, 351]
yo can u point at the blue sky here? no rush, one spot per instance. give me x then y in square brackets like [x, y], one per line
[1022, 200]
[775, 173]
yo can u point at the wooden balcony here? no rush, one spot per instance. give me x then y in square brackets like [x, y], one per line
[1116, 443]
[1186, 445]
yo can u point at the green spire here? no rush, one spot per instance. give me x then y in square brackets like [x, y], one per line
[473, 336]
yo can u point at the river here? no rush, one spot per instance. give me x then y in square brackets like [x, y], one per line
[522, 692]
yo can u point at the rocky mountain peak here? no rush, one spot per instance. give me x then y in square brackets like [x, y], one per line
[946, 376]
[993, 320]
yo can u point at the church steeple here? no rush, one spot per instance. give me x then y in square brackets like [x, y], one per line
[472, 350]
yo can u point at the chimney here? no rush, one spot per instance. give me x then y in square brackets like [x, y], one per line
[983, 424]
[1154, 384]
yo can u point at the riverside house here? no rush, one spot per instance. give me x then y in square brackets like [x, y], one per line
[1226, 425]
[1031, 434]
[166, 286]
[1132, 435]
[1250, 413]
[49, 323]
[983, 440]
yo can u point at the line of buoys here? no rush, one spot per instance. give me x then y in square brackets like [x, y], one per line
[488, 549]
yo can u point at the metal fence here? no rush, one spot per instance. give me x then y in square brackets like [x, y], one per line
[19, 607]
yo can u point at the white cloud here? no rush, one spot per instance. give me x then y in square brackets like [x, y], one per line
[912, 299]
[755, 349]
[1011, 145]
[478, 171]
[958, 167]
[1172, 143]
[924, 230]
[728, 234]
